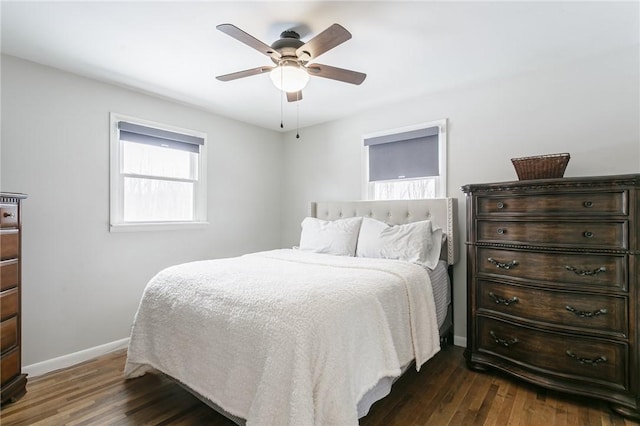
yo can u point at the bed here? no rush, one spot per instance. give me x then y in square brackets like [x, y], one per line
[308, 335]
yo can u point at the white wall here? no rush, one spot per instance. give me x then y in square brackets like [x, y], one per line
[590, 109]
[82, 284]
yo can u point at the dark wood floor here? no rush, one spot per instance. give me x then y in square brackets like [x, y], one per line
[444, 392]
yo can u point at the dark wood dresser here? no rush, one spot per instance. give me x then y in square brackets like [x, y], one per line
[553, 296]
[13, 382]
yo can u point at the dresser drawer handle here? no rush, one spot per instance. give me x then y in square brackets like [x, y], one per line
[500, 205]
[501, 301]
[501, 231]
[594, 361]
[7, 214]
[585, 273]
[588, 234]
[586, 314]
[502, 265]
[503, 342]
[588, 204]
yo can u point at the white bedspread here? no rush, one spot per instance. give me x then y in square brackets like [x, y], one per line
[285, 337]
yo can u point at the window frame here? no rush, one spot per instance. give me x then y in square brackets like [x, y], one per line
[116, 181]
[441, 179]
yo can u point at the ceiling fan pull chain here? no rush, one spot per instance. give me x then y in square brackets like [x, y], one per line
[281, 103]
[298, 116]
[281, 113]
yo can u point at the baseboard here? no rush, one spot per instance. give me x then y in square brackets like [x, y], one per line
[44, 367]
[460, 341]
[65, 361]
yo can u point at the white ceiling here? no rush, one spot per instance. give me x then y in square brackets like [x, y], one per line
[407, 49]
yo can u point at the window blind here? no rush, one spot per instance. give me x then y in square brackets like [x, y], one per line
[406, 155]
[150, 136]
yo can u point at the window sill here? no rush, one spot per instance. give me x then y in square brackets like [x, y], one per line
[156, 226]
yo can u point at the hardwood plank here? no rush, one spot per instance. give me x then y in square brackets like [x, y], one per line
[463, 407]
[503, 404]
[439, 384]
[444, 392]
[486, 404]
[448, 397]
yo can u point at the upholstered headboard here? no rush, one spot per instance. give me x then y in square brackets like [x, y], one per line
[441, 211]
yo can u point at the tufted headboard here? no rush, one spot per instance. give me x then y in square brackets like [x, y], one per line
[441, 211]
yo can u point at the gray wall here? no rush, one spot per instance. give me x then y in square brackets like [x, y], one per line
[589, 108]
[82, 284]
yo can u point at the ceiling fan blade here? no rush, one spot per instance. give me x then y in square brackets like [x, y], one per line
[248, 39]
[328, 39]
[245, 73]
[294, 96]
[334, 73]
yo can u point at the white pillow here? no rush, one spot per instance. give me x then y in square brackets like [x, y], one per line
[337, 237]
[369, 242]
[438, 237]
[414, 242]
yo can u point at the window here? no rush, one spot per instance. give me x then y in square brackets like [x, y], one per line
[158, 176]
[406, 163]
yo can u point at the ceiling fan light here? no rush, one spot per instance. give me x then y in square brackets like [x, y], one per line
[289, 78]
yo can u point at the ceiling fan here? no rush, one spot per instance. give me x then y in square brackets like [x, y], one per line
[291, 57]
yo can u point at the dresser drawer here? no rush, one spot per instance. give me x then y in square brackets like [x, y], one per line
[557, 269]
[10, 365]
[8, 274]
[587, 203]
[9, 244]
[596, 314]
[604, 235]
[8, 303]
[562, 355]
[8, 216]
[8, 334]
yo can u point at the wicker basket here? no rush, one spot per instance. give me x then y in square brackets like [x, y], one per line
[541, 166]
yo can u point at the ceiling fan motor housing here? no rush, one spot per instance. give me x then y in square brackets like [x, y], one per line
[287, 45]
